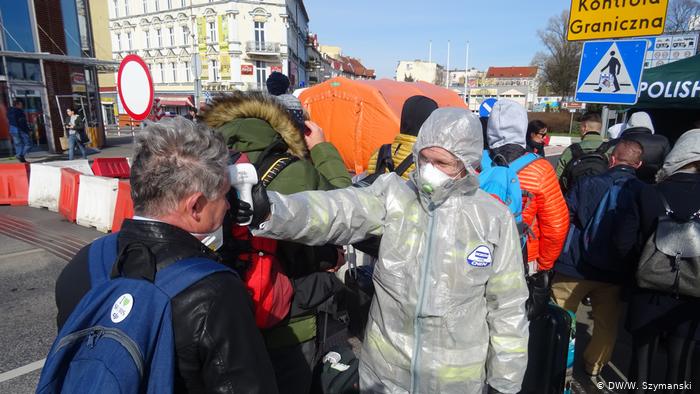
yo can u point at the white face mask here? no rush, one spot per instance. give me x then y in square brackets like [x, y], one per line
[213, 240]
[432, 178]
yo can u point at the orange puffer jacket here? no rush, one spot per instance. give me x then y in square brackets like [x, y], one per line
[546, 213]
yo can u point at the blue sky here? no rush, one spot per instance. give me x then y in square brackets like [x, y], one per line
[382, 32]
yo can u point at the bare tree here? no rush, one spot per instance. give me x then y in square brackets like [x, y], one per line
[683, 15]
[539, 60]
[561, 60]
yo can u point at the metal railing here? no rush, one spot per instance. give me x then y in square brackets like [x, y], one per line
[265, 47]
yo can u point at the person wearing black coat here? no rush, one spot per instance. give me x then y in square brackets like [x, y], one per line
[651, 313]
[575, 276]
[656, 147]
[218, 348]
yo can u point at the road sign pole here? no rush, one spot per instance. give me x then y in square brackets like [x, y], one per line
[605, 114]
[197, 71]
[571, 123]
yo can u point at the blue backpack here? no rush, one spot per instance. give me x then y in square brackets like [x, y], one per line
[119, 339]
[502, 181]
[595, 239]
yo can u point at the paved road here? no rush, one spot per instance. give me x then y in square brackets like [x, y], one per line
[34, 246]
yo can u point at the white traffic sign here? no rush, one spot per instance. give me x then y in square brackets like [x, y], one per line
[135, 87]
[610, 71]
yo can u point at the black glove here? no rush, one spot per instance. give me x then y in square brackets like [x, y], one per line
[260, 213]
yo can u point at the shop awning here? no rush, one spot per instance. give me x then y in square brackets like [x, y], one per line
[674, 85]
[176, 101]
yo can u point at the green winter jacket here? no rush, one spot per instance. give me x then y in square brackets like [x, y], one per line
[250, 122]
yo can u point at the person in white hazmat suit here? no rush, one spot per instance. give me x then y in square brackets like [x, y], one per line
[448, 315]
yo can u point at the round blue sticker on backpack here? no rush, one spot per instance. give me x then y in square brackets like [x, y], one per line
[480, 257]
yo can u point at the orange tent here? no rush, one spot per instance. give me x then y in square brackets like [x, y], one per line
[359, 116]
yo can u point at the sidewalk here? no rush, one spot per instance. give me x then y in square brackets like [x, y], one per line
[115, 146]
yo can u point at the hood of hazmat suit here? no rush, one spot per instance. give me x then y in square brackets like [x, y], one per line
[448, 314]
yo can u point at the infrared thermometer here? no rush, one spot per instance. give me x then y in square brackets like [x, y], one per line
[243, 177]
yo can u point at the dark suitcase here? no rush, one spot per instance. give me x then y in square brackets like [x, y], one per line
[550, 352]
[358, 298]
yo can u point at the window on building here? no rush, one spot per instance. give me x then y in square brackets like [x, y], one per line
[214, 66]
[156, 73]
[173, 70]
[188, 76]
[185, 35]
[183, 3]
[145, 6]
[259, 35]
[169, 3]
[162, 73]
[128, 41]
[171, 35]
[21, 31]
[157, 5]
[116, 8]
[159, 38]
[260, 73]
[71, 27]
[212, 31]
[126, 7]
[118, 41]
[147, 38]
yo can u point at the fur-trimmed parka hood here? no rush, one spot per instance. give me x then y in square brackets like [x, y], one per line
[250, 121]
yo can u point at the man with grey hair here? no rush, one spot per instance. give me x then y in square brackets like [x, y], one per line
[179, 184]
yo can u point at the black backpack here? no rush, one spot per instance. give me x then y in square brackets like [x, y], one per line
[584, 164]
[385, 162]
[670, 260]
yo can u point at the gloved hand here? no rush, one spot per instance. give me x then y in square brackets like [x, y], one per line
[260, 211]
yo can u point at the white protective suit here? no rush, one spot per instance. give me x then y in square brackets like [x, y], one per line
[448, 314]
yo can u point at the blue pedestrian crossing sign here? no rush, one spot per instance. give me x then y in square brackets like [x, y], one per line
[611, 71]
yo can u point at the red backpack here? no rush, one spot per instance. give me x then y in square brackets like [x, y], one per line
[268, 285]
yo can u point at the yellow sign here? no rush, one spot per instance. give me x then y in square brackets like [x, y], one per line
[202, 46]
[224, 57]
[599, 19]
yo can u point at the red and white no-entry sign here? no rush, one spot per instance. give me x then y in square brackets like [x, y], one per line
[135, 87]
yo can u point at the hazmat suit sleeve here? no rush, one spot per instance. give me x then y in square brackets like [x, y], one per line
[338, 217]
[506, 293]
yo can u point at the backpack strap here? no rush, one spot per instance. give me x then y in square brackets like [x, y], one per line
[404, 165]
[523, 161]
[184, 273]
[604, 147]
[101, 258]
[276, 166]
[384, 160]
[576, 151]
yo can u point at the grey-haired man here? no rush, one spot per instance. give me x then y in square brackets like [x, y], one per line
[179, 184]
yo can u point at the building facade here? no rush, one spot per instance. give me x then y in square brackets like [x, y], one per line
[331, 63]
[227, 45]
[48, 62]
[418, 70]
[515, 83]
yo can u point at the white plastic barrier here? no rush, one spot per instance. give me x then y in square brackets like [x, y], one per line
[97, 198]
[45, 182]
[81, 165]
[559, 141]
